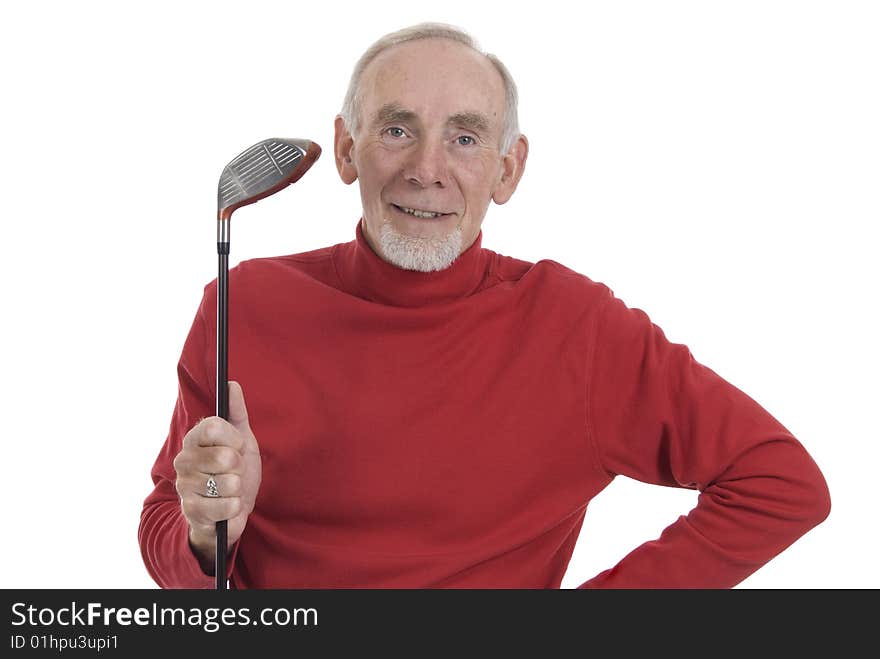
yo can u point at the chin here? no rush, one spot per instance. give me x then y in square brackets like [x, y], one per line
[430, 253]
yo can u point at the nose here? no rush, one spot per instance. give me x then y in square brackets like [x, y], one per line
[427, 166]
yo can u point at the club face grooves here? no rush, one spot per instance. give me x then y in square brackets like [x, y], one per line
[261, 170]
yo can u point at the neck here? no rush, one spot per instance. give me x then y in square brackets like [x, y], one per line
[369, 276]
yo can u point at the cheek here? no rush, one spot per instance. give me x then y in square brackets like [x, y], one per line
[478, 177]
[376, 168]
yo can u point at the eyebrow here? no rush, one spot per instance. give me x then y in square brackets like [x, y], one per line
[471, 120]
[394, 112]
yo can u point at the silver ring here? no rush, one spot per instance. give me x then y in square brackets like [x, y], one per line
[211, 487]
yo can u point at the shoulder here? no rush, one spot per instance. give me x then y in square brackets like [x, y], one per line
[313, 266]
[551, 278]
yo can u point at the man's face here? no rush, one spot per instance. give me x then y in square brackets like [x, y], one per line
[426, 152]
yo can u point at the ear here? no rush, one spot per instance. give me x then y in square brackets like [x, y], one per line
[343, 146]
[512, 167]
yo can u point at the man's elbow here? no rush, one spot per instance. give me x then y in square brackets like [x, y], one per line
[817, 501]
[809, 498]
[797, 494]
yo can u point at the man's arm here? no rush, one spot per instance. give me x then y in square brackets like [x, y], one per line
[164, 533]
[659, 416]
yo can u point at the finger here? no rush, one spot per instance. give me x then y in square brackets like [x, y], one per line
[217, 460]
[214, 431]
[205, 511]
[204, 460]
[228, 485]
[238, 415]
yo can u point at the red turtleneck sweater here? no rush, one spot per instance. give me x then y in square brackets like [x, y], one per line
[448, 429]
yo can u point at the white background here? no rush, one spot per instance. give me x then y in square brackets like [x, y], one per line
[715, 163]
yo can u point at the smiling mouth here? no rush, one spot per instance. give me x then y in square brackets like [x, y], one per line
[416, 212]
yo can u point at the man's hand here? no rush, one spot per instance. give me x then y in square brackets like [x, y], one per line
[227, 450]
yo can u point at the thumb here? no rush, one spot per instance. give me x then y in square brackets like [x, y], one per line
[238, 415]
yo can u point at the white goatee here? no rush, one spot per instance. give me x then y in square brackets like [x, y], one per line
[424, 254]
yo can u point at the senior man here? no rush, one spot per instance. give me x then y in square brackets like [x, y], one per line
[424, 412]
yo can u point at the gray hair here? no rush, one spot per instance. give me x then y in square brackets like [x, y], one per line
[351, 106]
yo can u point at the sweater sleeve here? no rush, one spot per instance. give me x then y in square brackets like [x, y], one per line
[163, 533]
[659, 416]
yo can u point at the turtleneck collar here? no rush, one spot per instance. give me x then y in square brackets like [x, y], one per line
[367, 276]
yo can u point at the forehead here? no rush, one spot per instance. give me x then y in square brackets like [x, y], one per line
[435, 78]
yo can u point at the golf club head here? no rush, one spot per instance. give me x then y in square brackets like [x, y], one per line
[262, 170]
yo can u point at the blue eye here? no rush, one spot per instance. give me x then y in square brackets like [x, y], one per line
[468, 140]
[395, 131]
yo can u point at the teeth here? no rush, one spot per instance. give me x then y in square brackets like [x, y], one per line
[418, 213]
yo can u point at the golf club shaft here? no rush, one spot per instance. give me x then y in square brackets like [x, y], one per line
[222, 386]
[259, 171]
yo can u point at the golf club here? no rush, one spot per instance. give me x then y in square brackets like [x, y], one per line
[255, 173]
